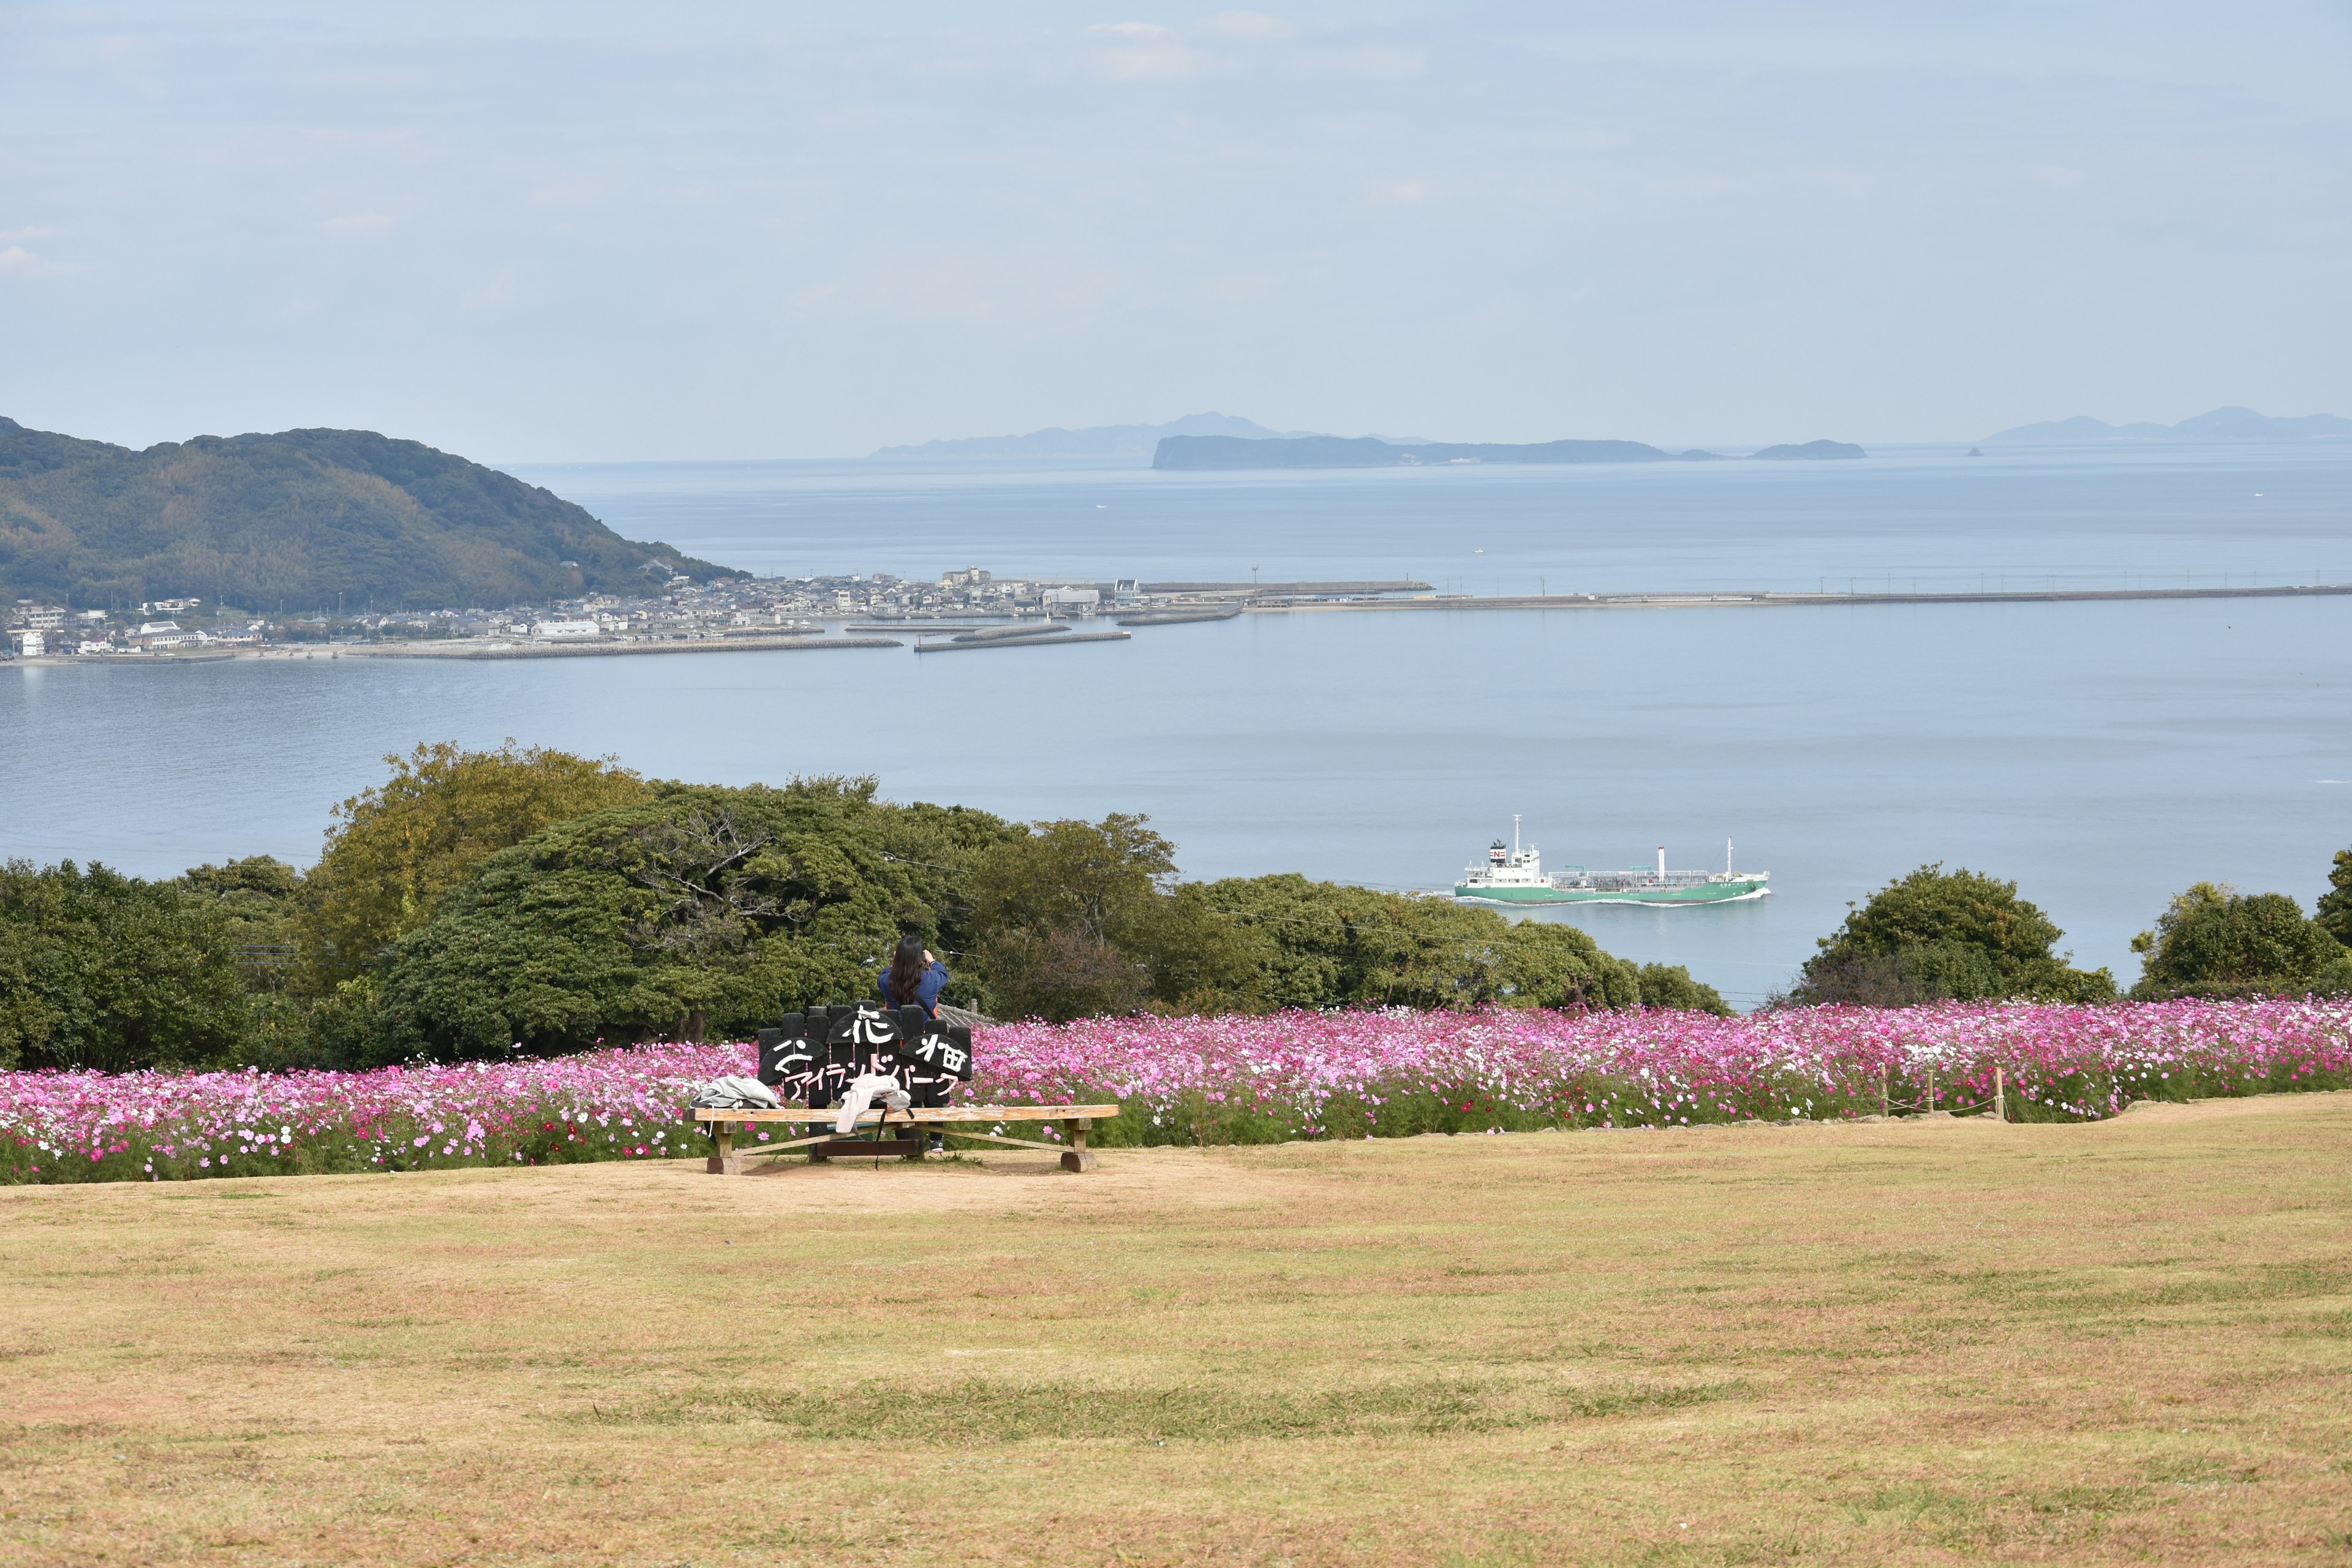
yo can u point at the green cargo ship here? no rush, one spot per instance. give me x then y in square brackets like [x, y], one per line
[1516, 875]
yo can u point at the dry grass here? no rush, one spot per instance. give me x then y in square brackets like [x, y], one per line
[1899, 1344]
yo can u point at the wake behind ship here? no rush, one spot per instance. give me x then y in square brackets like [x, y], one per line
[1516, 875]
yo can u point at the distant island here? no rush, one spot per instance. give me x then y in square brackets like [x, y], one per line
[1094, 441]
[1227, 452]
[1812, 449]
[301, 517]
[2230, 424]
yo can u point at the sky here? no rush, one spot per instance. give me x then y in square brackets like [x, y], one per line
[587, 231]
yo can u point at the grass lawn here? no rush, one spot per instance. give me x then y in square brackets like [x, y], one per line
[1905, 1343]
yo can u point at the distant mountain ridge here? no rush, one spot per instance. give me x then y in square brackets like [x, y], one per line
[1809, 451]
[1225, 452]
[1094, 441]
[2231, 424]
[301, 517]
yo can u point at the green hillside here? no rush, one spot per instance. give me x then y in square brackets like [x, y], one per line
[297, 518]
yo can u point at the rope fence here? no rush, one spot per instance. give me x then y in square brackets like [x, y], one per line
[1927, 1103]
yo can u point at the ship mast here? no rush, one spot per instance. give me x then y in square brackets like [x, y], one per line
[1726, 857]
[1514, 836]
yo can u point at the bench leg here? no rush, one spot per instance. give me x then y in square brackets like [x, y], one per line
[1076, 1157]
[723, 1149]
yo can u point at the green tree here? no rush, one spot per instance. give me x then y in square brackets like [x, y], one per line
[1080, 918]
[258, 900]
[1077, 919]
[700, 911]
[1331, 945]
[1306, 932]
[1937, 935]
[2212, 940]
[1670, 985]
[103, 970]
[1101, 879]
[397, 847]
[1542, 964]
[2334, 910]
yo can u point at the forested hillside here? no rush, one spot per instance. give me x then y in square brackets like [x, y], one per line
[297, 518]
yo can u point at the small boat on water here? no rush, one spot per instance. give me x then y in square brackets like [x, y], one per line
[1515, 876]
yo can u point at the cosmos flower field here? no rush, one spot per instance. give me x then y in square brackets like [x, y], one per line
[1230, 1079]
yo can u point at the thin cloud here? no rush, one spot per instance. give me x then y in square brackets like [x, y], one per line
[21, 261]
[493, 294]
[1142, 51]
[357, 226]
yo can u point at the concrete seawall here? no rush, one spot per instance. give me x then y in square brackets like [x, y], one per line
[1663, 601]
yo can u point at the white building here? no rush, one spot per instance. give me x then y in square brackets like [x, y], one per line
[564, 629]
[30, 644]
[1073, 597]
[161, 635]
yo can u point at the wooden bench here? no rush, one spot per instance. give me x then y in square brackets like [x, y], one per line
[952, 1121]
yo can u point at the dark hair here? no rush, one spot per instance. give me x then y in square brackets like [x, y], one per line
[907, 972]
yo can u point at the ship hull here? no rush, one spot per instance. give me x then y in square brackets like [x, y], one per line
[1731, 893]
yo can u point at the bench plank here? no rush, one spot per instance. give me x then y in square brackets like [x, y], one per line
[938, 1116]
[952, 1121]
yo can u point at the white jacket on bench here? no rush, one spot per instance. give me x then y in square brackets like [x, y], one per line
[863, 1094]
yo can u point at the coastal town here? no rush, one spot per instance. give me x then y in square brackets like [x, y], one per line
[971, 604]
[967, 608]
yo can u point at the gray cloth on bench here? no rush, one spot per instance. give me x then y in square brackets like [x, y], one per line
[736, 1094]
[862, 1093]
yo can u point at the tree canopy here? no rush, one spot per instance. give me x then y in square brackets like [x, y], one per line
[2334, 910]
[1084, 918]
[396, 847]
[2214, 941]
[1078, 918]
[101, 970]
[1327, 944]
[698, 911]
[479, 903]
[1937, 935]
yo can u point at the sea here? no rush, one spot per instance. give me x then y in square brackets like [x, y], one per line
[2102, 755]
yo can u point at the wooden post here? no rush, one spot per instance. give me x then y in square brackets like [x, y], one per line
[1076, 1157]
[1884, 1106]
[2000, 1096]
[722, 1149]
[1931, 1091]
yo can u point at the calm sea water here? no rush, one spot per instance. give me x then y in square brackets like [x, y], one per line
[2104, 755]
[1925, 517]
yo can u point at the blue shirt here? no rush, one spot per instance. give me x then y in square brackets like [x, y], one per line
[927, 989]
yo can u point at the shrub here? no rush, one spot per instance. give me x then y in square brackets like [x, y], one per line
[1937, 935]
[2212, 940]
[99, 970]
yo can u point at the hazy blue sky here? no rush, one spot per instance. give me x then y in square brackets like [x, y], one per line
[582, 231]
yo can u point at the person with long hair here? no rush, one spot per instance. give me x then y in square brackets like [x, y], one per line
[913, 978]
